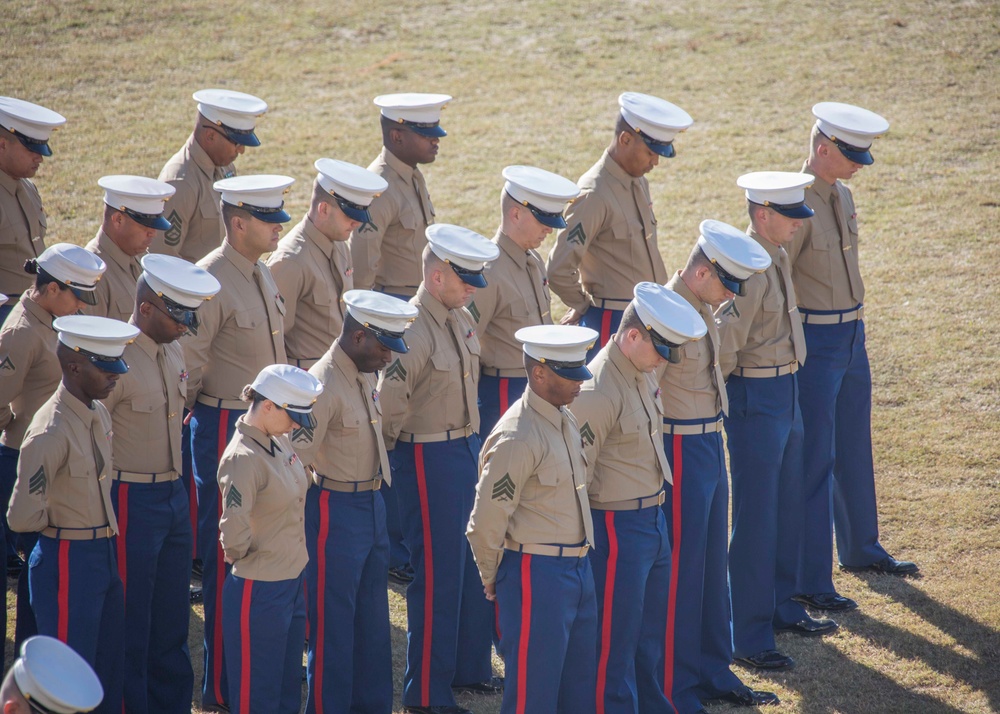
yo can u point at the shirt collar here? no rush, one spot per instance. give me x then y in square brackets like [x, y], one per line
[37, 311]
[8, 182]
[611, 167]
[311, 232]
[400, 167]
[820, 187]
[772, 250]
[241, 263]
[265, 442]
[678, 285]
[201, 158]
[85, 412]
[622, 363]
[507, 244]
[147, 344]
[432, 305]
[113, 251]
[551, 413]
[344, 363]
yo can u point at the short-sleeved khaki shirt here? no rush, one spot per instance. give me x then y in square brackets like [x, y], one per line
[22, 232]
[241, 328]
[386, 252]
[433, 387]
[532, 484]
[63, 471]
[609, 242]
[621, 421]
[312, 272]
[115, 290]
[194, 211]
[147, 406]
[29, 368]
[262, 485]
[516, 295]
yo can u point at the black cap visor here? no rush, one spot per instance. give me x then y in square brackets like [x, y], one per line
[114, 365]
[552, 220]
[667, 350]
[574, 371]
[244, 137]
[354, 211]
[268, 215]
[474, 278]
[730, 282]
[33, 145]
[179, 313]
[663, 148]
[431, 130]
[306, 419]
[854, 153]
[393, 340]
[87, 296]
[155, 221]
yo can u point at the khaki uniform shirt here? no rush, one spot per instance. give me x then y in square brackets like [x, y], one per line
[147, 406]
[532, 484]
[433, 387]
[241, 328]
[622, 428]
[756, 329]
[609, 242]
[312, 272]
[116, 289]
[22, 232]
[194, 212]
[694, 387]
[29, 368]
[62, 474]
[387, 252]
[263, 488]
[346, 444]
[824, 252]
[516, 296]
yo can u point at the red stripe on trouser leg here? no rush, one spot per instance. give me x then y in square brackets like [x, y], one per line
[496, 616]
[245, 648]
[220, 569]
[609, 599]
[605, 327]
[425, 517]
[122, 530]
[522, 644]
[504, 398]
[675, 566]
[318, 641]
[62, 617]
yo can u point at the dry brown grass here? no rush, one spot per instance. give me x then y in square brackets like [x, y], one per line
[535, 82]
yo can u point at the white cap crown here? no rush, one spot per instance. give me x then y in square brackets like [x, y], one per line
[415, 107]
[667, 314]
[258, 191]
[289, 387]
[182, 282]
[655, 117]
[136, 193]
[49, 673]
[464, 247]
[542, 189]
[349, 181]
[97, 335]
[850, 124]
[32, 120]
[738, 254]
[558, 343]
[385, 312]
[783, 188]
[233, 109]
[72, 265]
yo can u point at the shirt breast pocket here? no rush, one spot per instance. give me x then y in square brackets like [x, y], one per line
[82, 468]
[443, 379]
[632, 426]
[149, 403]
[694, 373]
[250, 319]
[551, 475]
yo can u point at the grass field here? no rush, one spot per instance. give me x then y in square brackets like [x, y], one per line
[536, 82]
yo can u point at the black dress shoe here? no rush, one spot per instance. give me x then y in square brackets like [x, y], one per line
[888, 566]
[437, 710]
[195, 593]
[403, 574]
[197, 568]
[493, 686]
[14, 565]
[831, 602]
[747, 697]
[810, 627]
[768, 659]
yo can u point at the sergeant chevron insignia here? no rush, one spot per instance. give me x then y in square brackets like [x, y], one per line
[6, 365]
[587, 433]
[234, 499]
[577, 235]
[302, 433]
[368, 227]
[36, 484]
[396, 371]
[503, 490]
[173, 234]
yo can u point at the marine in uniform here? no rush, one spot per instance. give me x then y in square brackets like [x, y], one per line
[387, 250]
[350, 652]
[516, 293]
[25, 129]
[312, 265]
[63, 493]
[431, 425]
[65, 278]
[609, 243]
[133, 213]
[49, 677]
[621, 422]
[239, 333]
[761, 350]
[531, 529]
[263, 486]
[836, 386]
[223, 128]
[699, 636]
[153, 544]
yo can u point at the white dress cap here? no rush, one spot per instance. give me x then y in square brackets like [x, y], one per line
[182, 282]
[349, 181]
[738, 254]
[292, 389]
[461, 246]
[100, 336]
[848, 123]
[667, 316]
[136, 193]
[559, 343]
[541, 191]
[50, 674]
[73, 266]
[784, 191]
[386, 316]
[31, 120]
[422, 112]
[3, 299]
[655, 119]
[261, 194]
[233, 109]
